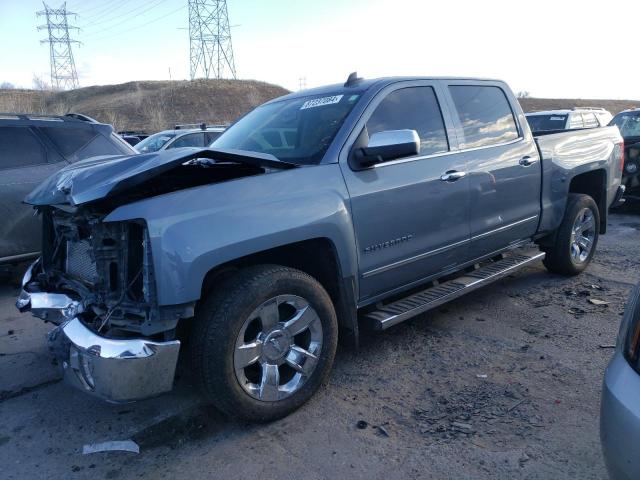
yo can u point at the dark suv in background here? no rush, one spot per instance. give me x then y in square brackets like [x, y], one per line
[32, 148]
[628, 121]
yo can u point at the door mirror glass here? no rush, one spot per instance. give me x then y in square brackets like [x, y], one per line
[387, 145]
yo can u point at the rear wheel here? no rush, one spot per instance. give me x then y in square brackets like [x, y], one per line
[264, 342]
[576, 238]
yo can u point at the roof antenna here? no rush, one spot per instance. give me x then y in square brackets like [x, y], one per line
[352, 80]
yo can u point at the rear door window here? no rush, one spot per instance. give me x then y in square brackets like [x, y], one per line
[68, 140]
[189, 140]
[485, 115]
[590, 120]
[210, 137]
[20, 147]
[413, 108]
[78, 143]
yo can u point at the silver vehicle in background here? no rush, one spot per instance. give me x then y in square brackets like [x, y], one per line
[576, 118]
[181, 136]
[620, 409]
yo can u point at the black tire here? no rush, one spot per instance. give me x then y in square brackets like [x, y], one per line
[558, 256]
[218, 322]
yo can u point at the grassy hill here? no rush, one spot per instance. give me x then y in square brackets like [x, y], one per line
[156, 105]
[148, 105]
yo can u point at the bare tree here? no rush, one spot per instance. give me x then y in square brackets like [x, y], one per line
[16, 102]
[156, 118]
[7, 86]
[59, 107]
[40, 84]
[523, 94]
[113, 118]
[44, 91]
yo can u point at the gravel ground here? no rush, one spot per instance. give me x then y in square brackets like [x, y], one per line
[502, 384]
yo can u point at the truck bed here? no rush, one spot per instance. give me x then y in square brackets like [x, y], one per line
[564, 155]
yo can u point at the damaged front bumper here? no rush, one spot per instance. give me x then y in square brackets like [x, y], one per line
[116, 370]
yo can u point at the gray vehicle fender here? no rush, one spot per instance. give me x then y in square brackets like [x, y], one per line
[195, 230]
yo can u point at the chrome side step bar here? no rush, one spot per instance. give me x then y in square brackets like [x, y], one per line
[417, 303]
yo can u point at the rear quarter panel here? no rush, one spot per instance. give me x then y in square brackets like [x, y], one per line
[568, 154]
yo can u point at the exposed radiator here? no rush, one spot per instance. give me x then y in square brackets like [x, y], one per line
[79, 263]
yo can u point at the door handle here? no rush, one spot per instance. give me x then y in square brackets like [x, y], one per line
[452, 176]
[527, 161]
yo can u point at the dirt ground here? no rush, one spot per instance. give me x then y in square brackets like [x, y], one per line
[501, 384]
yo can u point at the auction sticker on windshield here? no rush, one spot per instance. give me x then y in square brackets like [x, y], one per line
[320, 102]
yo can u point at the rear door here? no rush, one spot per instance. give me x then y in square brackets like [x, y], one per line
[24, 163]
[409, 223]
[504, 166]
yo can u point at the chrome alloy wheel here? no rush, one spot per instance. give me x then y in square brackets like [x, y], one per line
[583, 233]
[277, 348]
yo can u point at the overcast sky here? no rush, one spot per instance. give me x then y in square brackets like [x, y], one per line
[551, 48]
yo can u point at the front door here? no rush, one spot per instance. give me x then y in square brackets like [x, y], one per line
[410, 224]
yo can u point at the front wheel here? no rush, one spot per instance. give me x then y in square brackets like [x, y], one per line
[576, 238]
[264, 342]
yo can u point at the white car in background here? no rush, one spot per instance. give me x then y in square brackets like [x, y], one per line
[181, 136]
[558, 120]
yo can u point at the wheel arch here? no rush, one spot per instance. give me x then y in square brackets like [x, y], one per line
[594, 184]
[317, 257]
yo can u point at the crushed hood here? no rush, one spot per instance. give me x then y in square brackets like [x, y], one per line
[97, 178]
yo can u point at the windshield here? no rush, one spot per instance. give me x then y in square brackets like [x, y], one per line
[628, 123]
[545, 123]
[154, 142]
[298, 130]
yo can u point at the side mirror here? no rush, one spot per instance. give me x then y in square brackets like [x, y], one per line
[386, 146]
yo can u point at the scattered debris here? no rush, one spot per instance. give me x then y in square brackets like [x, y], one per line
[382, 431]
[596, 301]
[577, 312]
[462, 427]
[115, 445]
[10, 332]
[607, 346]
[361, 424]
[515, 405]
[481, 375]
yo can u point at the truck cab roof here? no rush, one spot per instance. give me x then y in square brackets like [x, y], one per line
[360, 85]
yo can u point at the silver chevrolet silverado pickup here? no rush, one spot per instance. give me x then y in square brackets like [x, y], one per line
[319, 213]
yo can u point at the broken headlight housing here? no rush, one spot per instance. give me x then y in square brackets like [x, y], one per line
[629, 336]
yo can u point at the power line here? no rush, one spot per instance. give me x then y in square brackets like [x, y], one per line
[63, 67]
[101, 7]
[210, 48]
[139, 26]
[104, 13]
[131, 17]
[106, 18]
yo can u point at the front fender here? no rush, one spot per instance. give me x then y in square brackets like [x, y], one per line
[194, 230]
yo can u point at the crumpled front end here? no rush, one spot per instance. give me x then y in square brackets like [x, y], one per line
[115, 369]
[95, 282]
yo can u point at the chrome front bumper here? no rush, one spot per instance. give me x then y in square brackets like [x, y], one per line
[116, 370]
